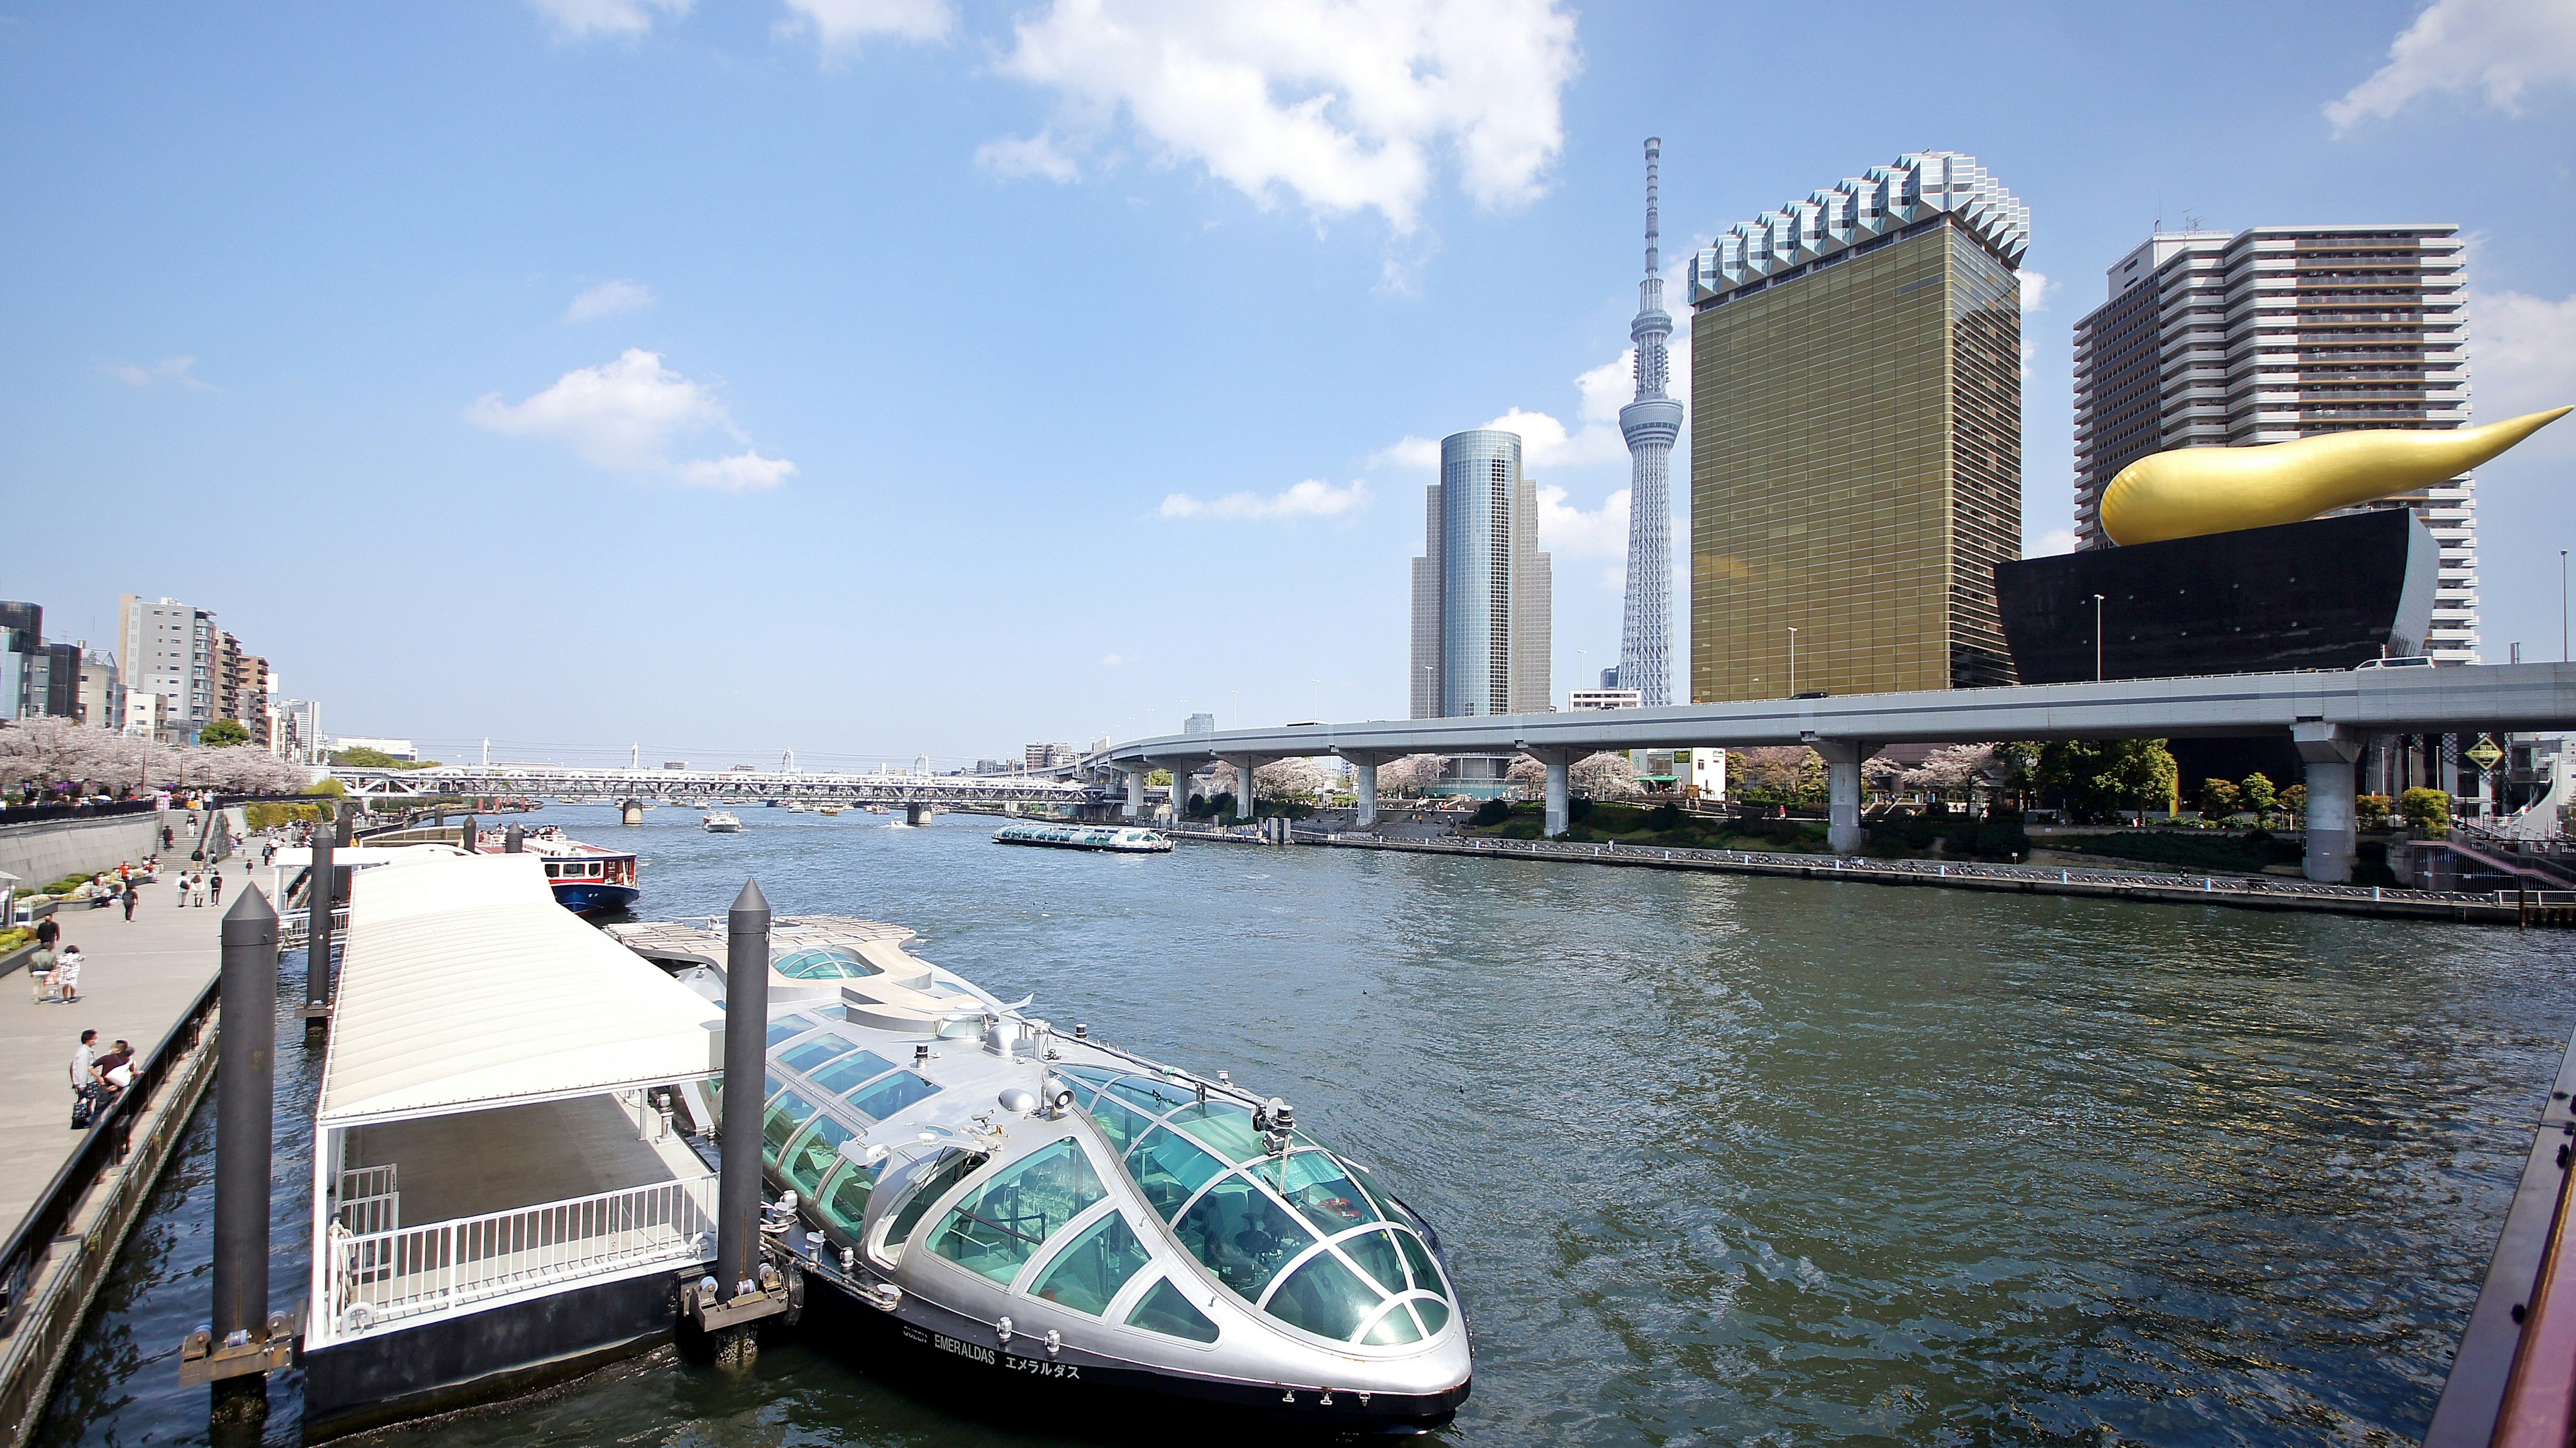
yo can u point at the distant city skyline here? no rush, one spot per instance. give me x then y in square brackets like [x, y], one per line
[964, 351]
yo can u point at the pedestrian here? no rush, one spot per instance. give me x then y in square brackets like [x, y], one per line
[49, 931]
[218, 884]
[182, 880]
[67, 972]
[167, 839]
[197, 887]
[115, 1070]
[83, 1082]
[40, 969]
[129, 902]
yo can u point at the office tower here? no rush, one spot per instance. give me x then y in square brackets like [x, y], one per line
[39, 679]
[1481, 594]
[1650, 424]
[1856, 436]
[2282, 332]
[1199, 725]
[169, 649]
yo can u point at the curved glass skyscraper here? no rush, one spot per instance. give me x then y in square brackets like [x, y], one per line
[1481, 596]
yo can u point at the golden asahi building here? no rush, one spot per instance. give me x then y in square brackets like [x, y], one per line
[1856, 436]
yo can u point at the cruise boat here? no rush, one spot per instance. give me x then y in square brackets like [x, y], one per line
[1044, 1212]
[586, 879]
[1118, 839]
[718, 822]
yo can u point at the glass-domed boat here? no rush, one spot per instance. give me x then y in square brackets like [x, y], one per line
[1043, 1207]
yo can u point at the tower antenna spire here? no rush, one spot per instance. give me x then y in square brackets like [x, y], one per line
[1654, 159]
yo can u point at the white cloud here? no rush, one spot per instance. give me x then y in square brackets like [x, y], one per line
[2498, 47]
[2526, 361]
[168, 369]
[625, 415]
[608, 299]
[579, 19]
[1573, 533]
[1347, 104]
[2052, 542]
[1312, 498]
[842, 24]
[2035, 287]
[1036, 155]
[1112, 661]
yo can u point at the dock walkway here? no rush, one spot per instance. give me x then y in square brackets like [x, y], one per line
[139, 979]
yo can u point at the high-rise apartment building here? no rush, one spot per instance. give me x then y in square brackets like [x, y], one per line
[2283, 332]
[169, 648]
[102, 691]
[1482, 596]
[1856, 436]
[1650, 424]
[241, 687]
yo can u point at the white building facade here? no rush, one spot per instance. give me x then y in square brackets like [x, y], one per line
[168, 648]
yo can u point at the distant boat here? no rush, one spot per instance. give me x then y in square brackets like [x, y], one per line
[830, 811]
[797, 808]
[1115, 839]
[720, 823]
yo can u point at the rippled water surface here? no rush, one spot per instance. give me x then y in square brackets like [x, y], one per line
[1716, 1160]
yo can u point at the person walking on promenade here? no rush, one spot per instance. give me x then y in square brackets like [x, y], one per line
[40, 971]
[217, 883]
[67, 971]
[197, 887]
[129, 902]
[83, 1080]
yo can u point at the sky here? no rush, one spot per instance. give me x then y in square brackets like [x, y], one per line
[887, 378]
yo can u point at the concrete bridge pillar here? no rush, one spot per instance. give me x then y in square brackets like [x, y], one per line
[1560, 782]
[1245, 805]
[1842, 774]
[916, 815]
[2329, 751]
[1136, 796]
[1365, 771]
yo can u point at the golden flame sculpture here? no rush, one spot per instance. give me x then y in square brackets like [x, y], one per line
[2195, 490]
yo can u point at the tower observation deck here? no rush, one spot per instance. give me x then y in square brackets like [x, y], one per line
[1650, 424]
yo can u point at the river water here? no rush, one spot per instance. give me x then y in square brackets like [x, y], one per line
[1716, 1159]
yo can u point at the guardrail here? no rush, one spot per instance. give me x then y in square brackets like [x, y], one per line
[408, 1272]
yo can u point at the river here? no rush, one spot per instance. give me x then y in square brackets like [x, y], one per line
[1716, 1159]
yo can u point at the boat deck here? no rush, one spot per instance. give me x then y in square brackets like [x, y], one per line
[516, 1156]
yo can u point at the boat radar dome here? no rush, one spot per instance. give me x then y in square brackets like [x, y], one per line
[2189, 492]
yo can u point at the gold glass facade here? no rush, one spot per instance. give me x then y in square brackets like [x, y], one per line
[1856, 473]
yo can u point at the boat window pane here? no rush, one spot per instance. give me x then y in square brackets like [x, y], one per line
[1394, 1329]
[813, 1154]
[786, 1114]
[1435, 1313]
[1163, 1309]
[806, 1055]
[845, 1203]
[1315, 1184]
[1221, 1127]
[891, 1095]
[1002, 1223]
[1167, 1169]
[1325, 1298]
[781, 1030]
[930, 1186]
[1119, 1124]
[1425, 1275]
[852, 1070]
[1376, 1254]
[1093, 1266]
[1242, 1235]
[1152, 1096]
[1086, 1081]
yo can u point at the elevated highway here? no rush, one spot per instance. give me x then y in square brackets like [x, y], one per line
[2327, 715]
[730, 785]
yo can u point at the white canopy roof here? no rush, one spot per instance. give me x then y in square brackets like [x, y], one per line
[466, 986]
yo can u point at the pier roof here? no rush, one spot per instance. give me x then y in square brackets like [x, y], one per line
[466, 986]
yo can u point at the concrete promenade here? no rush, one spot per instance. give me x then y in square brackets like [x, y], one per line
[139, 979]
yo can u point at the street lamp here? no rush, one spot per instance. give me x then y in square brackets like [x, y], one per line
[2562, 605]
[2097, 638]
[1793, 663]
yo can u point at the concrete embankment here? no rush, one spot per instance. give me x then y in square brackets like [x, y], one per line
[39, 852]
[2554, 908]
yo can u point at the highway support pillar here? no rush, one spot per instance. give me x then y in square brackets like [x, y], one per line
[1560, 787]
[1842, 775]
[1365, 772]
[1136, 796]
[242, 1343]
[744, 1288]
[1246, 806]
[2328, 751]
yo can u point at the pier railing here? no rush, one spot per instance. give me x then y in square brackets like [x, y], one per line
[384, 1277]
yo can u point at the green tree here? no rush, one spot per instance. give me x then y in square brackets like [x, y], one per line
[2259, 796]
[2427, 812]
[2295, 800]
[361, 757]
[223, 734]
[2219, 799]
[2096, 777]
[2371, 811]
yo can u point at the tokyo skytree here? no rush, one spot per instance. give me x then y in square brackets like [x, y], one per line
[1650, 424]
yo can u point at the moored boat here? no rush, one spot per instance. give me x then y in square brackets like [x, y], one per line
[1115, 839]
[585, 878]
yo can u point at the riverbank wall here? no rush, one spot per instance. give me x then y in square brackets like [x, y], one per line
[39, 852]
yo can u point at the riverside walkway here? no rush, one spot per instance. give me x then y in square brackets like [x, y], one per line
[2505, 907]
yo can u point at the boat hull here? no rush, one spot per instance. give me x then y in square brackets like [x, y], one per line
[584, 897]
[957, 1358]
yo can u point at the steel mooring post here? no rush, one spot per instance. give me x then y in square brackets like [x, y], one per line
[744, 1288]
[472, 827]
[243, 1343]
[320, 897]
[513, 839]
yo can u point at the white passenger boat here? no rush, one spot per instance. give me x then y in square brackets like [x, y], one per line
[719, 822]
[1118, 839]
[1045, 1213]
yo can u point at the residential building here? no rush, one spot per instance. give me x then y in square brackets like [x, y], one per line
[1048, 756]
[1650, 424]
[1856, 436]
[2279, 332]
[241, 687]
[169, 648]
[296, 734]
[1604, 698]
[142, 714]
[1198, 726]
[101, 701]
[1482, 603]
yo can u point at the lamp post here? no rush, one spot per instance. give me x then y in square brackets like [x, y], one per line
[2097, 638]
[1793, 663]
[2562, 605]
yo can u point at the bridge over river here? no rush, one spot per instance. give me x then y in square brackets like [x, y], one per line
[2328, 715]
[883, 788]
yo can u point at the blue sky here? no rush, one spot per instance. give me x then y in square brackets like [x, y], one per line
[885, 377]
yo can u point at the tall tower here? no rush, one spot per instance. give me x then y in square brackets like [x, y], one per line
[1650, 424]
[1482, 591]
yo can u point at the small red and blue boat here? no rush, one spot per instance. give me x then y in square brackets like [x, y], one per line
[586, 879]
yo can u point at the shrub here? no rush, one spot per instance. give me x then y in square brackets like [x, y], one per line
[1666, 816]
[1489, 814]
[2427, 812]
[2219, 799]
[2371, 811]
